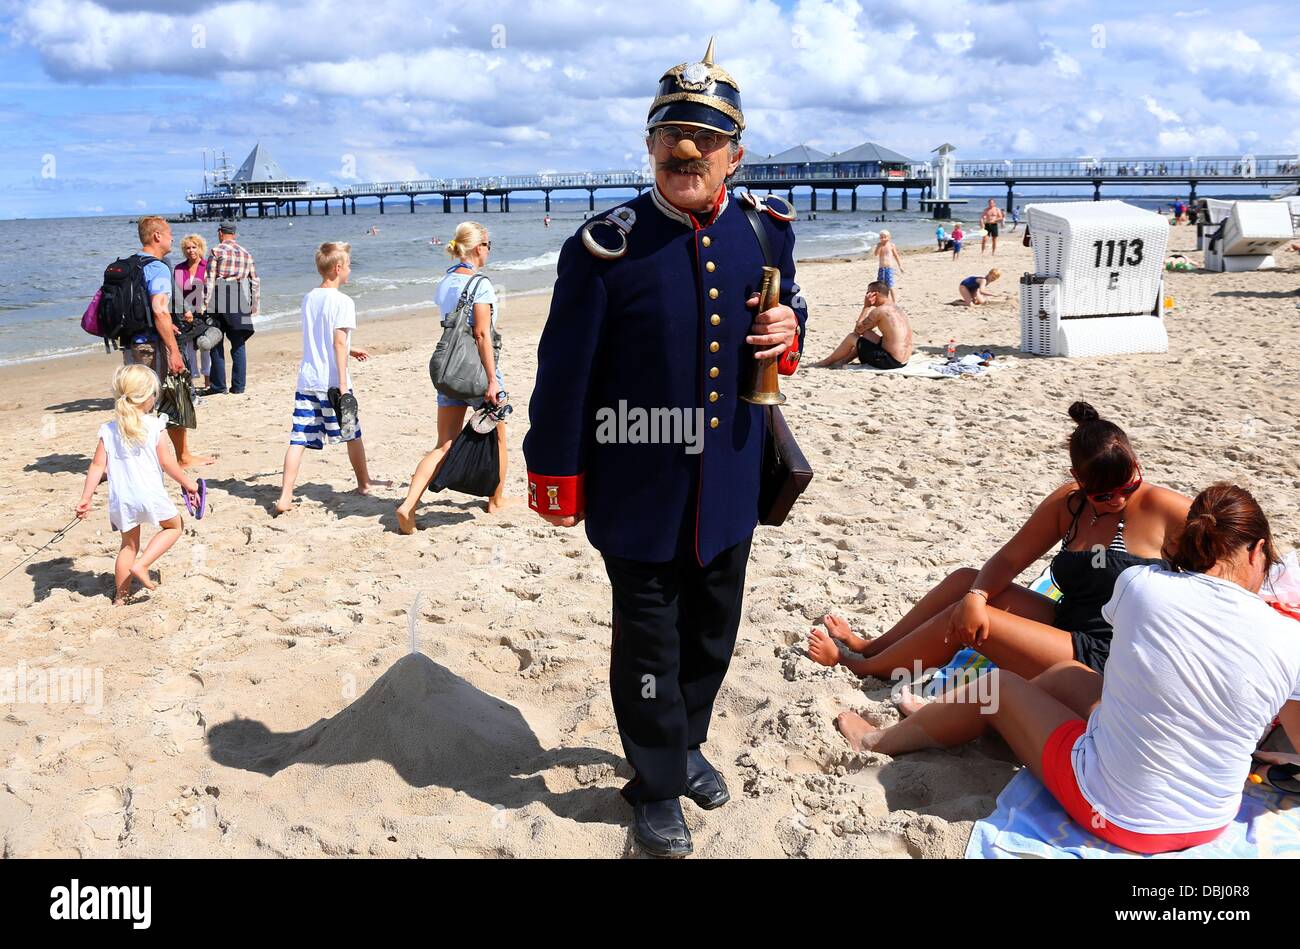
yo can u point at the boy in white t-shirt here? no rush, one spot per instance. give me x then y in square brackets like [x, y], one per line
[328, 318]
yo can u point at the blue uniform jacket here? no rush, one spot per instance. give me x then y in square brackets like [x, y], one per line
[660, 329]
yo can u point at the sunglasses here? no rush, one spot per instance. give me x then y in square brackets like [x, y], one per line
[706, 140]
[1102, 497]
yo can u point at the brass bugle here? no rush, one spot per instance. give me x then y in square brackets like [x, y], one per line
[764, 387]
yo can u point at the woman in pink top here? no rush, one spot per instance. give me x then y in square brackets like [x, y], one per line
[189, 276]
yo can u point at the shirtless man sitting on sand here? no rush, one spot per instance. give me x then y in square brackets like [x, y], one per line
[882, 337]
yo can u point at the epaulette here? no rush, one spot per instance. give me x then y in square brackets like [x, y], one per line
[616, 226]
[777, 207]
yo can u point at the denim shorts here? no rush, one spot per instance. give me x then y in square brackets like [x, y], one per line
[448, 403]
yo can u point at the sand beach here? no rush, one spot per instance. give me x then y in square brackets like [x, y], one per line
[319, 685]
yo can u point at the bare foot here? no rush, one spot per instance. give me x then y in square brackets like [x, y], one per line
[857, 731]
[839, 629]
[822, 649]
[141, 575]
[495, 506]
[364, 489]
[909, 703]
[281, 507]
[405, 521]
[194, 461]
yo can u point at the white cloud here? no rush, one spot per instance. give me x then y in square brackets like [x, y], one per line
[1161, 113]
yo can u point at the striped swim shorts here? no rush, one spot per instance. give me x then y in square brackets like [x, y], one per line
[314, 422]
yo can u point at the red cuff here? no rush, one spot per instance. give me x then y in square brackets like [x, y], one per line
[562, 496]
[788, 361]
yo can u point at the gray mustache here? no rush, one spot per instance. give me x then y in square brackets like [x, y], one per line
[694, 166]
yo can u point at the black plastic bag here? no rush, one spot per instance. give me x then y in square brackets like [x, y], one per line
[177, 401]
[472, 465]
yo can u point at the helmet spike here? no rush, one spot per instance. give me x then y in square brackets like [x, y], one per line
[708, 54]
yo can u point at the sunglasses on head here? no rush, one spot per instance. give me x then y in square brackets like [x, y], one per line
[1126, 491]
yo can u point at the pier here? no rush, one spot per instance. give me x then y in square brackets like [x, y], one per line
[260, 189]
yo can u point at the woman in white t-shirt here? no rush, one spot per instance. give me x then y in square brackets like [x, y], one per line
[469, 248]
[1153, 759]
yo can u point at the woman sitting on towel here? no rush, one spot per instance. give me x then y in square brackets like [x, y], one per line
[1105, 520]
[1152, 759]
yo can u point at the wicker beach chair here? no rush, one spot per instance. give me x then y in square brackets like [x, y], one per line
[1099, 280]
[1248, 237]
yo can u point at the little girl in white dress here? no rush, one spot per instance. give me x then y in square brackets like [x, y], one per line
[134, 453]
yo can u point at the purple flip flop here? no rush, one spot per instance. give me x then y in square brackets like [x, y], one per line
[202, 507]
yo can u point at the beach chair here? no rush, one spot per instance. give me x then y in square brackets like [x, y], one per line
[1248, 236]
[1099, 281]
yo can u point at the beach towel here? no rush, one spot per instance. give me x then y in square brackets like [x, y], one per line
[927, 367]
[1028, 822]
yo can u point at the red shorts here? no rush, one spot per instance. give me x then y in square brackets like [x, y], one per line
[1058, 775]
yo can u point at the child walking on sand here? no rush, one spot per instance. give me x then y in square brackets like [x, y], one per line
[134, 453]
[324, 409]
[886, 260]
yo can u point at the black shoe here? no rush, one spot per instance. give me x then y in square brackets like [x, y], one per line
[211, 391]
[660, 828]
[704, 785]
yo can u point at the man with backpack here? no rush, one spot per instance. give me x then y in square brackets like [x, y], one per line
[135, 311]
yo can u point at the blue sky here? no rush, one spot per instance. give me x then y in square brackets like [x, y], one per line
[105, 106]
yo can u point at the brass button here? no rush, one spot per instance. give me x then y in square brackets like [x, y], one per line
[715, 319]
[713, 346]
[706, 240]
[713, 294]
[713, 422]
[713, 397]
[710, 266]
[713, 373]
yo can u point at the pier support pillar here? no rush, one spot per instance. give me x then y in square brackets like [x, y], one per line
[790, 197]
[327, 208]
[412, 204]
[1096, 190]
[853, 200]
[884, 198]
[485, 210]
[354, 207]
[813, 205]
[464, 203]
[507, 197]
[1191, 194]
[591, 199]
[1011, 196]
[904, 199]
[309, 210]
[548, 199]
[835, 199]
[381, 205]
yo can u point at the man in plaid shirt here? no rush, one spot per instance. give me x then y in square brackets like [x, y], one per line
[232, 293]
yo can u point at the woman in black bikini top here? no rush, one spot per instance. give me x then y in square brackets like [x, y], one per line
[1105, 521]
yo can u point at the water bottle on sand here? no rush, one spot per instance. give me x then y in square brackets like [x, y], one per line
[952, 350]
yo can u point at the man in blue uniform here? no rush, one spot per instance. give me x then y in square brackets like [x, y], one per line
[638, 428]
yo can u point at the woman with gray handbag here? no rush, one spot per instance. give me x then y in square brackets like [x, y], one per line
[466, 364]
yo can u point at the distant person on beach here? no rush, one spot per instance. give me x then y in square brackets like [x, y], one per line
[189, 278]
[546, 221]
[1105, 519]
[887, 260]
[324, 407]
[232, 295]
[1152, 758]
[881, 337]
[991, 219]
[160, 350]
[469, 249]
[941, 237]
[974, 289]
[1015, 218]
[132, 452]
[958, 235]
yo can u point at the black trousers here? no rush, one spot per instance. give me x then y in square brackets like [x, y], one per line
[674, 629]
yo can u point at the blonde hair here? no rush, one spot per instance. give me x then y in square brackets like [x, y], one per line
[198, 240]
[994, 274]
[147, 225]
[330, 255]
[469, 234]
[884, 235]
[133, 386]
